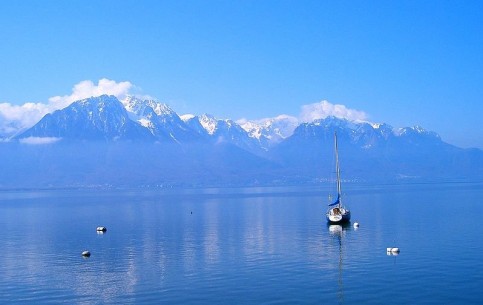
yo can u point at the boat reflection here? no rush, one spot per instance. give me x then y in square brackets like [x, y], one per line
[338, 231]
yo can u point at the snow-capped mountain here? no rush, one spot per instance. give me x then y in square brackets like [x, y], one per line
[107, 118]
[159, 119]
[96, 118]
[364, 134]
[222, 131]
[103, 140]
[138, 106]
[270, 132]
[369, 149]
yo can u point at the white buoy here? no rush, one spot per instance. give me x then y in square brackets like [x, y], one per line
[392, 251]
[86, 253]
[101, 229]
[356, 225]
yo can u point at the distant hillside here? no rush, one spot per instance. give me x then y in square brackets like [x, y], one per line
[102, 142]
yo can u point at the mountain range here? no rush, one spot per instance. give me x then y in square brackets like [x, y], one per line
[102, 141]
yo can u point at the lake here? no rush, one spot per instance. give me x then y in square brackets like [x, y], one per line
[266, 245]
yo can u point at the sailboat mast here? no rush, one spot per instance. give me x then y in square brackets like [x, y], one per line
[337, 169]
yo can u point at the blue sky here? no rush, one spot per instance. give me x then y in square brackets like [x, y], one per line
[404, 63]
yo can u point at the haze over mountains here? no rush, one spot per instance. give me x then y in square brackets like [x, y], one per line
[102, 141]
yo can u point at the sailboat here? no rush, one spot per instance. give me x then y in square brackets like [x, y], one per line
[337, 213]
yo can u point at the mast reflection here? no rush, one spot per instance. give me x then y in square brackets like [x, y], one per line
[338, 232]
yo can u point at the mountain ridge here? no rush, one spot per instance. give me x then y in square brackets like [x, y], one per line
[144, 142]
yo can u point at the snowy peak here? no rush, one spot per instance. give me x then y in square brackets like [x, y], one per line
[223, 132]
[281, 127]
[384, 129]
[105, 108]
[334, 122]
[200, 144]
[145, 107]
[216, 127]
[105, 117]
[186, 117]
[415, 130]
[161, 121]
[270, 131]
[209, 123]
[103, 113]
[363, 135]
[95, 118]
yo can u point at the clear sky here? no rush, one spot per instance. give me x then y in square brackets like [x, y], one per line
[401, 62]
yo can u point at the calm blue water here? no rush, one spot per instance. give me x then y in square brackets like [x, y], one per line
[242, 246]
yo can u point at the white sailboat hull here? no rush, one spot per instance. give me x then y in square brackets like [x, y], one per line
[338, 215]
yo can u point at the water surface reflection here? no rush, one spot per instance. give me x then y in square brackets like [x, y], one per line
[223, 247]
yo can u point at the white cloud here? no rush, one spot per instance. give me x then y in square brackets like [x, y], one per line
[39, 140]
[17, 117]
[14, 118]
[87, 88]
[324, 109]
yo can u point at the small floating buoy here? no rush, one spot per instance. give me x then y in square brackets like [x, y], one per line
[101, 229]
[356, 225]
[86, 253]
